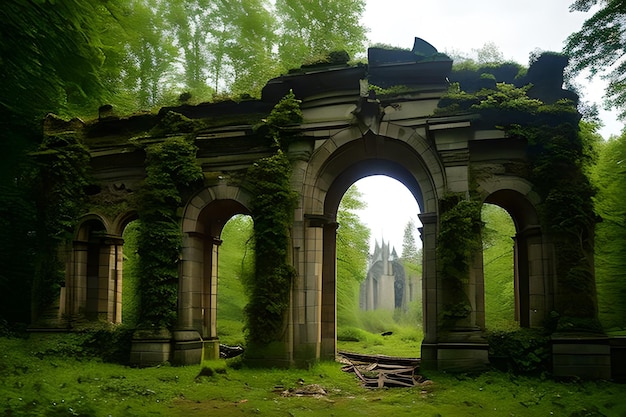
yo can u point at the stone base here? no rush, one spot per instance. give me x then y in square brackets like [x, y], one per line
[210, 349]
[618, 358]
[462, 357]
[187, 347]
[150, 347]
[581, 356]
[458, 350]
[429, 356]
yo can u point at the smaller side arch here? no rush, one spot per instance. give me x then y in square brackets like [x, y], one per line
[531, 256]
[93, 283]
[203, 220]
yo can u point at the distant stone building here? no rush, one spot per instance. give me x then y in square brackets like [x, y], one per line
[387, 285]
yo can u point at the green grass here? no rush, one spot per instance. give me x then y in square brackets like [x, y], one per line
[49, 375]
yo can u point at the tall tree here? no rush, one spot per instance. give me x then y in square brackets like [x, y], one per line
[610, 242]
[313, 28]
[352, 254]
[600, 47]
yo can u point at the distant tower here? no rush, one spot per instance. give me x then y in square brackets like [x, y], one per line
[385, 284]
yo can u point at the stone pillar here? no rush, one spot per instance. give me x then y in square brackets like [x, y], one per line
[460, 344]
[110, 279]
[187, 340]
[328, 349]
[211, 347]
[76, 284]
[307, 312]
[430, 289]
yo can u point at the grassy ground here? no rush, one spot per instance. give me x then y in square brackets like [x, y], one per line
[50, 375]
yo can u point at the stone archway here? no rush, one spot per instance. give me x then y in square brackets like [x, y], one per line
[203, 220]
[530, 255]
[93, 287]
[332, 170]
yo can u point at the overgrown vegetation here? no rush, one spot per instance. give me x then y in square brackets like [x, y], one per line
[457, 241]
[60, 181]
[559, 159]
[272, 210]
[610, 245]
[497, 235]
[48, 375]
[171, 169]
[236, 266]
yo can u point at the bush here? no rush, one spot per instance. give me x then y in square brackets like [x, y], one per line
[525, 351]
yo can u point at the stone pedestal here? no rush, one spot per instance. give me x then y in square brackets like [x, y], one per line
[210, 349]
[462, 350]
[150, 347]
[585, 356]
[187, 347]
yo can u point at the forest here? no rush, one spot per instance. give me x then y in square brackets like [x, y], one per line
[70, 57]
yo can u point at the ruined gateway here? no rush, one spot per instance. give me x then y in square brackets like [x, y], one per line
[348, 132]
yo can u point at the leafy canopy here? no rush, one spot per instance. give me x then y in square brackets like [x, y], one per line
[600, 46]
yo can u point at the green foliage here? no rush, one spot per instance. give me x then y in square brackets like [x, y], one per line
[287, 112]
[236, 266]
[560, 159]
[272, 210]
[61, 176]
[131, 297]
[459, 236]
[524, 351]
[51, 56]
[352, 254]
[457, 240]
[610, 242]
[314, 28]
[498, 267]
[599, 47]
[171, 169]
[56, 385]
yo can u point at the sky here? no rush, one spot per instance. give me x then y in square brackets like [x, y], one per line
[517, 28]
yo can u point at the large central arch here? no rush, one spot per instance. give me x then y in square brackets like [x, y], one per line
[334, 166]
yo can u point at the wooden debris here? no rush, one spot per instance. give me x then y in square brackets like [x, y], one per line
[379, 371]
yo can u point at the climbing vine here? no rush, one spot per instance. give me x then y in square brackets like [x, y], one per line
[558, 155]
[171, 169]
[62, 175]
[272, 210]
[458, 238]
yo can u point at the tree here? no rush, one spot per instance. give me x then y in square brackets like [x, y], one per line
[600, 47]
[610, 243]
[498, 266]
[410, 250]
[314, 28]
[352, 254]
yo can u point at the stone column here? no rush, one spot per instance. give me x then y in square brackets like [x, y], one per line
[329, 294]
[77, 280]
[187, 349]
[430, 289]
[211, 347]
[307, 312]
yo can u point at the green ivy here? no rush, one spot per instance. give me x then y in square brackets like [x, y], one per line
[525, 351]
[559, 156]
[458, 238]
[171, 169]
[272, 210]
[61, 177]
[558, 161]
[286, 113]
